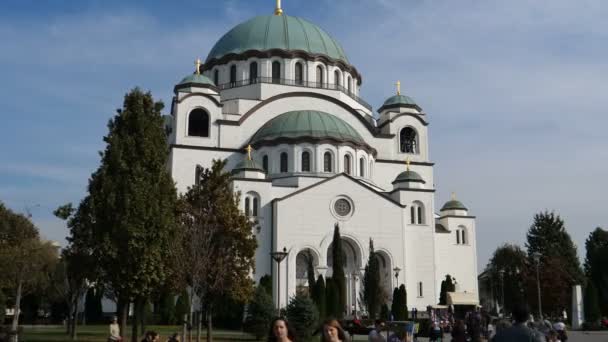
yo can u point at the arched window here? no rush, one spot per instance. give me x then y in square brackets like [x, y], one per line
[319, 80]
[412, 214]
[461, 235]
[198, 123]
[216, 77]
[276, 72]
[284, 162]
[327, 162]
[299, 73]
[305, 161]
[349, 84]
[407, 140]
[362, 167]
[417, 213]
[198, 171]
[233, 75]
[337, 81]
[347, 165]
[265, 163]
[255, 207]
[253, 72]
[247, 207]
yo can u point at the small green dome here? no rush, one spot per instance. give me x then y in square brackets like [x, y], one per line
[268, 32]
[247, 165]
[453, 205]
[307, 125]
[399, 100]
[409, 176]
[196, 78]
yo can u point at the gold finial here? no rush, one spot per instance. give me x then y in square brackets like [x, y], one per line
[453, 196]
[407, 163]
[249, 149]
[278, 10]
[198, 64]
[398, 84]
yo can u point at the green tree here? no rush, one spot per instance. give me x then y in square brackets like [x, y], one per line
[591, 305]
[310, 273]
[2, 305]
[167, 308]
[399, 305]
[547, 237]
[596, 260]
[373, 296]
[321, 298]
[507, 269]
[332, 303]
[384, 312]
[133, 202]
[219, 244]
[25, 261]
[259, 313]
[182, 306]
[266, 283]
[92, 306]
[395, 303]
[338, 271]
[303, 316]
[77, 265]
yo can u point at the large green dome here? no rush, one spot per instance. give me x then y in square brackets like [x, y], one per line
[268, 32]
[307, 125]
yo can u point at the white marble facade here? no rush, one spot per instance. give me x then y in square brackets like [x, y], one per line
[296, 205]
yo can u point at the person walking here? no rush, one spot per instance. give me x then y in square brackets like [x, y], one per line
[459, 333]
[519, 332]
[376, 334]
[280, 331]
[332, 332]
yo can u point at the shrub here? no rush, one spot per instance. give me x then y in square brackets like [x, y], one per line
[182, 307]
[259, 313]
[303, 316]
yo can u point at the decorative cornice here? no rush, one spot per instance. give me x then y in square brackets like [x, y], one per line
[197, 85]
[403, 114]
[389, 161]
[209, 96]
[412, 190]
[313, 140]
[456, 216]
[204, 148]
[291, 54]
[400, 105]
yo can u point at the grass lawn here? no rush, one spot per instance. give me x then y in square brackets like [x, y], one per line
[99, 333]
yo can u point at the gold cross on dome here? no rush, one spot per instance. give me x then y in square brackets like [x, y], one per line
[407, 163]
[453, 196]
[249, 149]
[398, 84]
[278, 10]
[198, 64]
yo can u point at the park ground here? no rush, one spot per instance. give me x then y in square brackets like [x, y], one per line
[96, 333]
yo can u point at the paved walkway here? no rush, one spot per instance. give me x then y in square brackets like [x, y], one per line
[574, 336]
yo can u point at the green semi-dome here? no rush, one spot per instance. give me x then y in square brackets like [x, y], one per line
[453, 205]
[307, 125]
[268, 32]
[409, 176]
[196, 79]
[247, 165]
[396, 100]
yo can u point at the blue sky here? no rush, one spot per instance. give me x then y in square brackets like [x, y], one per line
[514, 90]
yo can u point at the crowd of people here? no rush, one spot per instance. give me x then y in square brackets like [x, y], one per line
[475, 327]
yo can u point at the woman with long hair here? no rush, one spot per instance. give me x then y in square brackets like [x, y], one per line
[280, 331]
[332, 332]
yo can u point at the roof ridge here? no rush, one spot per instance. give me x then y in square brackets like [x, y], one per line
[286, 31]
[304, 31]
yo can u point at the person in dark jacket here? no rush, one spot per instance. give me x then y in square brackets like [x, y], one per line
[459, 333]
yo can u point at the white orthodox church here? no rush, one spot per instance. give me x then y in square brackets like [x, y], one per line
[320, 156]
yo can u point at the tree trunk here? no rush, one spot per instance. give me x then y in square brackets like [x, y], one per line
[15, 323]
[142, 316]
[209, 323]
[184, 327]
[123, 313]
[199, 321]
[74, 319]
[136, 316]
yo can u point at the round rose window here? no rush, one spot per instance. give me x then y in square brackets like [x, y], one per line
[342, 207]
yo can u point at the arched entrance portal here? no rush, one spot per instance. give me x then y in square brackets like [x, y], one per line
[352, 256]
[304, 259]
[386, 273]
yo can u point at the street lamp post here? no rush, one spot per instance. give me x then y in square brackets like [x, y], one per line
[502, 289]
[355, 275]
[536, 257]
[397, 270]
[278, 257]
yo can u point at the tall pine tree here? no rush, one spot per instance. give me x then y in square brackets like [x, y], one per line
[321, 298]
[506, 269]
[338, 276]
[596, 270]
[372, 289]
[133, 201]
